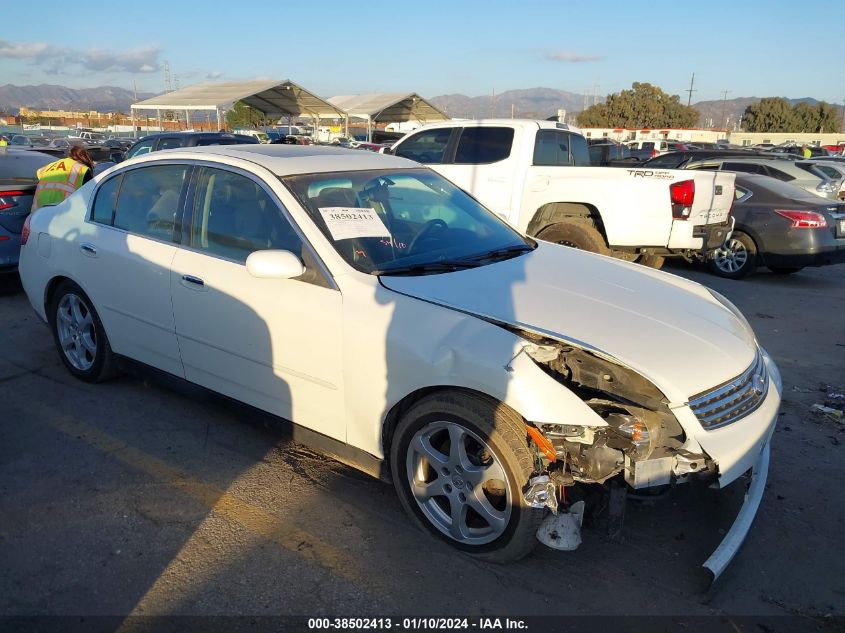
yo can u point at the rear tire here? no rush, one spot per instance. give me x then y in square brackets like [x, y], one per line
[652, 261]
[736, 259]
[459, 462]
[576, 234]
[781, 270]
[79, 335]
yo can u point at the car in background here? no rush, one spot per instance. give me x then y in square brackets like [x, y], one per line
[18, 180]
[645, 149]
[19, 140]
[121, 144]
[174, 140]
[781, 226]
[677, 159]
[834, 170]
[606, 152]
[783, 170]
[798, 150]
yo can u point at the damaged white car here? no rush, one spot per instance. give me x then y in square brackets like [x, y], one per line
[405, 329]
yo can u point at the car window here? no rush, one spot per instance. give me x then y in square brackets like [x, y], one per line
[428, 146]
[149, 200]
[386, 220]
[144, 147]
[647, 146]
[749, 168]
[552, 147]
[484, 145]
[578, 147]
[170, 143]
[666, 161]
[234, 216]
[776, 173]
[104, 203]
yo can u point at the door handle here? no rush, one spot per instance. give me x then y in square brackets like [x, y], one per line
[193, 280]
[88, 249]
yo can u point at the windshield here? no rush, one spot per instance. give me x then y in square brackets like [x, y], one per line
[410, 221]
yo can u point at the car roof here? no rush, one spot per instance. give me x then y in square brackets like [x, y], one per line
[285, 160]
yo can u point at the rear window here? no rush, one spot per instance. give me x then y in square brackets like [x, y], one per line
[484, 145]
[170, 143]
[22, 164]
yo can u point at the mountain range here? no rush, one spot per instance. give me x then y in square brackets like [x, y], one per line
[537, 103]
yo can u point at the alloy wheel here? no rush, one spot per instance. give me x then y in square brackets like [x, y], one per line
[459, 483]
[77, 334]
[732, 257]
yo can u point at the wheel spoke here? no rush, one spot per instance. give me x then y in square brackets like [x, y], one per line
[458, 447]
[422, 445]
[76, 309]
[66, 343]
[89, 345]
[481, 504]
[477, 475]
[424, 491]
[64, 315]
[458, 529]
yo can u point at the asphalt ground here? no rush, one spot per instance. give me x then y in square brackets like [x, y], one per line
[146, 497]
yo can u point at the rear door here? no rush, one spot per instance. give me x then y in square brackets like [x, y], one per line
[126, 260]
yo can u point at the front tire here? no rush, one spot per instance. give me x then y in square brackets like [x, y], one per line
[459, 461]
[736, 259]
[79, 335]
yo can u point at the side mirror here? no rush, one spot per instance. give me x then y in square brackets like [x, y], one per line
[274, 265]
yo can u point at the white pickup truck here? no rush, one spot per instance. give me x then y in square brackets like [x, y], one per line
[536, 175]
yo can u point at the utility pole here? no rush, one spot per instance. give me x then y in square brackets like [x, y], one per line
[690, 91]
[493, 105]
[724, 106]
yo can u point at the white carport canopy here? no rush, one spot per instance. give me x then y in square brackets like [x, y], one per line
[271, 97]
[388, 107]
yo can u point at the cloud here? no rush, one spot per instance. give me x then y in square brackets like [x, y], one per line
[570, 57]
[59, 60]
[215, 74]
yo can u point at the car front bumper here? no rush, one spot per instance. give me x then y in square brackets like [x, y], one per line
[727, 549]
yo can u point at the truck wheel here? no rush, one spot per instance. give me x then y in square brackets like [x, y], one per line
[459, 462]
[736, 259]
[652, 261]
[581, 235]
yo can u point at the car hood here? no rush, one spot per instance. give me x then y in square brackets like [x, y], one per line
[669, 329]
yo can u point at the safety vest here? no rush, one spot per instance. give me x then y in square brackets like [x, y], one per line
[3, 142]
[57, 180]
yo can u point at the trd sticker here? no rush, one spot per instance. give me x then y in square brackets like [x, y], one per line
[650, 173]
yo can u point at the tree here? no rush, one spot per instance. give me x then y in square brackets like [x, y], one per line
[774, 114]
[642, 106]
[242, 116]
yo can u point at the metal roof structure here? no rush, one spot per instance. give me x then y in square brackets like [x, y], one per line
[272, 97]
[388, 107]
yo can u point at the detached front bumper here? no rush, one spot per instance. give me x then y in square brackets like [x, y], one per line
[733, 540]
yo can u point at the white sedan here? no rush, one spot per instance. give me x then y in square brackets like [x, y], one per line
[406, 330]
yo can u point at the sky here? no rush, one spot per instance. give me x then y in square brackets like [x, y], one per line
[746, 47]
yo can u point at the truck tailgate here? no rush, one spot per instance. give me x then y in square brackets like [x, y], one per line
[714, 196]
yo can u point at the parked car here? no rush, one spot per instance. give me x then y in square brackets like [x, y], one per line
[784, 170]
[121, 144]
[20, 140]
[404, 328]
[678, 159]
[798, 150]
[605, 152]
[645, 149]
[832, 170]
[17, 187]
[781, 226]
[172, 140]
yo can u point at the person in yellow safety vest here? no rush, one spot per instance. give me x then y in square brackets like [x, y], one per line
[805, 151]
[59, 179]
[3, 141]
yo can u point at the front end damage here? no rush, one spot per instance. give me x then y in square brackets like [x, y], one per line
[641, 442]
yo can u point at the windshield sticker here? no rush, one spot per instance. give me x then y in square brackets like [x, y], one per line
[350, 222]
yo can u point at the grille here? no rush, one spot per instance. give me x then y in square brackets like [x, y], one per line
[733, 400]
